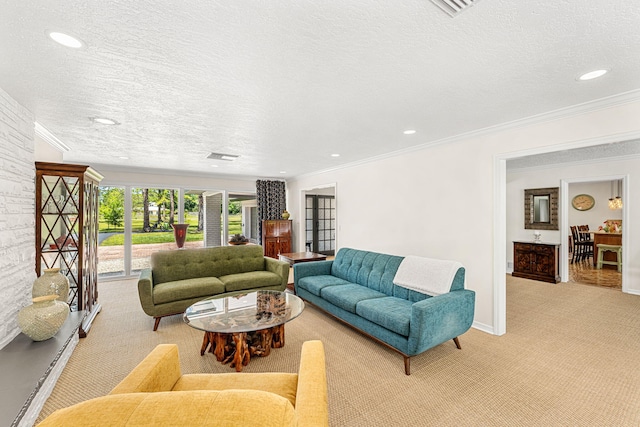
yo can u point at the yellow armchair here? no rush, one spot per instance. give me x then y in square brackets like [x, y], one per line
[156, 393]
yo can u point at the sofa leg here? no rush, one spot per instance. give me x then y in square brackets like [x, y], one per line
[457, 341]
[407, 365]
[155, 325]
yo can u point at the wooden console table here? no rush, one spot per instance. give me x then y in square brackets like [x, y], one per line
[537, 261]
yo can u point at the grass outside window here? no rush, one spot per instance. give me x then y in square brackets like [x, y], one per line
[164, 236]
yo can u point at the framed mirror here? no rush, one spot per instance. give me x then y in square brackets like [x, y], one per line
[541, 208]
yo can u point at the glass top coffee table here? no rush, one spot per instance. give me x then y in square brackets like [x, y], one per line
[239, 326]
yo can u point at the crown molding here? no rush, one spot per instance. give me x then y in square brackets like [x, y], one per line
[561, 113]
[50, 138]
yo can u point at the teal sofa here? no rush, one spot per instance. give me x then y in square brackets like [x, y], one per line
[182, 277]
[357, 287]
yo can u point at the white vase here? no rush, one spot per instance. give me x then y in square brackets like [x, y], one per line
[50, 283]
[44, 318]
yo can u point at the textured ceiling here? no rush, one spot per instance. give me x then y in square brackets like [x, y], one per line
[604, 152]
[285, 84]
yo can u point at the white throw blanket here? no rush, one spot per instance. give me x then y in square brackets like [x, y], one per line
[425, 275]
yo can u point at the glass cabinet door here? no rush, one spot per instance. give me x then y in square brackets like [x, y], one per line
[59, 228]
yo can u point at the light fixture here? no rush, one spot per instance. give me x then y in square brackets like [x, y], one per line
[592, 75]
[335, 155]
[618, 199]
[615, 203]
[65, 39]
[409, 132]
[283, 171]
[105, 121]
[123, 157]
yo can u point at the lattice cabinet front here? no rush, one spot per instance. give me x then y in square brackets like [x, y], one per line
[67, 231]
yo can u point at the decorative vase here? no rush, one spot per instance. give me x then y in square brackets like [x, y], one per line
[180, 233]
[50, 283]
[285, 214]
[44, 318]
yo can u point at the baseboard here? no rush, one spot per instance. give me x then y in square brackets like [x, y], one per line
[484, 328]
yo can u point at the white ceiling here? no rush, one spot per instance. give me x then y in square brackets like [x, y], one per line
[284, 84]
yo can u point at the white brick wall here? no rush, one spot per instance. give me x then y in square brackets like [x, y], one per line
[17, 216]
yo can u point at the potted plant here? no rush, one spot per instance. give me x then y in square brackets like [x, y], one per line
[238, 239]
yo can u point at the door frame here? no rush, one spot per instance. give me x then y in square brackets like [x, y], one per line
[499, 326]
[302, 229]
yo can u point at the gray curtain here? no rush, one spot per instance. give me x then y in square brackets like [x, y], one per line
[271, 201]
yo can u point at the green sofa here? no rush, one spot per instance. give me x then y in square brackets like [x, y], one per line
[182, 277]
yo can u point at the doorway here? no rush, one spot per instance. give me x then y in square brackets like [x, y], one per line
[320, 221]
[596, 219]
[568, 156]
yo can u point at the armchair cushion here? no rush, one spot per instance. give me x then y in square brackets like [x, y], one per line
[282, 384]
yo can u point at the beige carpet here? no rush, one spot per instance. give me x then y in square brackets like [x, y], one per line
[571, 357]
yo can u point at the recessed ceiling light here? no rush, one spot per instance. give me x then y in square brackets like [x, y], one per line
[283, 171]
[409, 132]
[592, 75]
[214, 166]
[123, 157]
[335, 155]
[65, 39]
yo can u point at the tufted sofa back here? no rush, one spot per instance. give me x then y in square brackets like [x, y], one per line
[377, 271]
[370, 269]
[168, 266]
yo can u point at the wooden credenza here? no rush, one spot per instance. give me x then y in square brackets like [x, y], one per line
[276, 237]
[536, 261]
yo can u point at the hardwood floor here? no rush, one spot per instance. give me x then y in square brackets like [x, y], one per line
[583, 272]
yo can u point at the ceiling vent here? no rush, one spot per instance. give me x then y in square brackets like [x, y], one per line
[454, 7]
[220, 156]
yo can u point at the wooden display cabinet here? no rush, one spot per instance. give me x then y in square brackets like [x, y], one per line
[67, 231]
[276, 237]
[537, 261]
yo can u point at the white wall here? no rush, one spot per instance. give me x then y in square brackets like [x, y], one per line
[45, 152]
[601, 192]
[17, 213]
[451, 188]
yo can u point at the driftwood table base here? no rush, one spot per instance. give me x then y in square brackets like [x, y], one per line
[238, 348]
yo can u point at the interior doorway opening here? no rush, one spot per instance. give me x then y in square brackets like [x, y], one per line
[319, 228]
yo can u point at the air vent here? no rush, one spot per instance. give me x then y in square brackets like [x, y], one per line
[454, 7]
[220, 156]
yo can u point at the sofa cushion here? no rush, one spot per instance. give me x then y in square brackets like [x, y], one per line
[390, 312]
[348, 296]
[187, 289]
[280, 383]
[250, 280]
[315, 284]
[188, 408]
